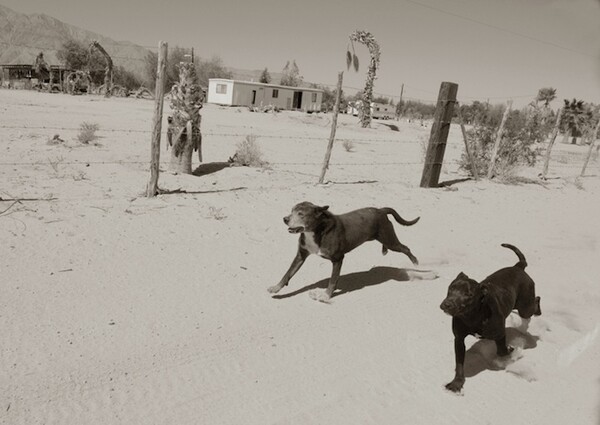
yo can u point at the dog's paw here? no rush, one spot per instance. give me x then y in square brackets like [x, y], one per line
[320, 296]
[274, 289]
[455, 386]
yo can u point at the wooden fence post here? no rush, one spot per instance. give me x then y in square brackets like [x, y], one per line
[468, 149]
[439, 134]
[592, 143]
[559, 114]
[336, 110]
[152, 188]
[499, 136]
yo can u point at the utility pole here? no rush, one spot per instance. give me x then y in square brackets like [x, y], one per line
[192, 55]
[400, 102]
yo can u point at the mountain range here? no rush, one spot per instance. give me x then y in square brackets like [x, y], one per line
[24, 36]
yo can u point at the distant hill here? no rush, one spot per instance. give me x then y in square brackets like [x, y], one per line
[23, 36]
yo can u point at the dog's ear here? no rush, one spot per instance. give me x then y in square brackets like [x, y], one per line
[461, 275]
[324, 208]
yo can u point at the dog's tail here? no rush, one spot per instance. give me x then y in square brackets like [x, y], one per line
[398, 218]
[522, 262]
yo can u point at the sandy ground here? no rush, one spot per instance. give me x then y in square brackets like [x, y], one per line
[118, 309]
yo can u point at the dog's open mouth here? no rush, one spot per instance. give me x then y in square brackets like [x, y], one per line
[298, 229]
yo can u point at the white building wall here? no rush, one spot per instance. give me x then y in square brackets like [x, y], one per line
[220, 98]
[243, 93]
[311, 100]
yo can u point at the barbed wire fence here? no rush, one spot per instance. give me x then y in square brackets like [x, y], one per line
[559, 159]
[567, 162]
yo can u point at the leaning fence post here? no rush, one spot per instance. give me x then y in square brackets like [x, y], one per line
[499, 136]
[551, 143]
[467, 148]
[439, 134]
[152, 188]
[336, 110]
[592, 143]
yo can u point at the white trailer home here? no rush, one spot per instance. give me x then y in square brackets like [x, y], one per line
[247, 93]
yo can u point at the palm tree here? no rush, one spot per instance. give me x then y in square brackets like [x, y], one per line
[184, 127]
[576, 116]
[369, 41]
[546, 95]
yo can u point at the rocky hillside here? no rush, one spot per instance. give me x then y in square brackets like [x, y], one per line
[23, 36]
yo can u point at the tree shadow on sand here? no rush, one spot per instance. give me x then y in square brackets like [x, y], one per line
[392, 127]
[482, 355]
[210, 168]
[359, 280]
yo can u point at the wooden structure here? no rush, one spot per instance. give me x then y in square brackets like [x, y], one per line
[24, 76]
[439, 135]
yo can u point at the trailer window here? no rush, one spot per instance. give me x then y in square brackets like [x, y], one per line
[275, 93]
[221, 88]
[314, 97]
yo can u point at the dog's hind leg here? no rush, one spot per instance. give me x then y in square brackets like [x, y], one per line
[389, 240]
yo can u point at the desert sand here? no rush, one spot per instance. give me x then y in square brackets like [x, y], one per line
[120, 309]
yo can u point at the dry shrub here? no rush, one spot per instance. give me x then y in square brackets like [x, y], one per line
[216, 213]
[248, 154]
[87, 132]
[348, 145]
[520, 145]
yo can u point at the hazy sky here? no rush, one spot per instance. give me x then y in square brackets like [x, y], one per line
[494, 49]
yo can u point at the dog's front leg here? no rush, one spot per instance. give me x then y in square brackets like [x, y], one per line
[325, 296]
[295, 266]
[459, 355]
[501, 348]
[459, 375]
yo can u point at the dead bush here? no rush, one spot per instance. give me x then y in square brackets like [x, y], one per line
[520, 145]
[348, 145]
[87, 132]
[248, 154]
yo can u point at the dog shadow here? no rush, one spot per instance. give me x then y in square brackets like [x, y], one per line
[482, 355]
[358, 280]
[210, 168]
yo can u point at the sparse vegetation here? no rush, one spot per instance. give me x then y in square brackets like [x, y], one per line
[524, 132]
[265, 77]
[248, 154]
[87, 132]
[216, 213]
[348, 145]
[577, 116]
[54, 163]
[291, 75]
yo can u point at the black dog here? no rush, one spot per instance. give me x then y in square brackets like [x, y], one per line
[482, 308]
[331, 236]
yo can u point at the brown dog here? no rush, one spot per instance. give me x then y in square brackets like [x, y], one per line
[331, 236]
[482, 308]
